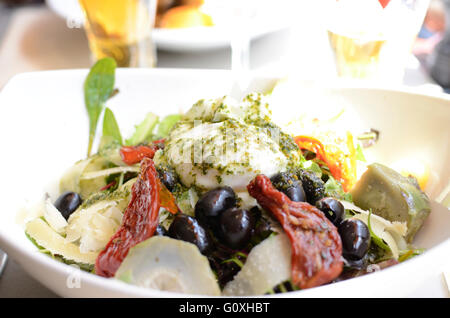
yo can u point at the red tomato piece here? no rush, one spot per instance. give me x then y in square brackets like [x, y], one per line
[134, 154]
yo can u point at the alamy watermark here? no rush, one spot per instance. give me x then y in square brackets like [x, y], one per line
[74, 278]
[206, 144]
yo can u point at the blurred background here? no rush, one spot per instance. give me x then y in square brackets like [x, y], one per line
[400, 41]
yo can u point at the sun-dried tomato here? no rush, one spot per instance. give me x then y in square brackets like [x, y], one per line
[138, 223]
[315, 241]
[134, 154]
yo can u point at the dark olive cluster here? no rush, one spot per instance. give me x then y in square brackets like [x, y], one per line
[300, 186]
[305, 186]
[216, 212]
[354, 233]
[221, 230]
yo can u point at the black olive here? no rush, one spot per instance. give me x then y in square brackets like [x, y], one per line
[355, 238]
[332, 208]
[289, 184]
[313, 186]
[263, 227]
[212, 203]
[187, 229]
[168, 178]
[236, 227]
[160, 230]
[296, 193]
[67, 203]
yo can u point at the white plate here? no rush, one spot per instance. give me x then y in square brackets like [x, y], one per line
[44, 129]
[187, 39]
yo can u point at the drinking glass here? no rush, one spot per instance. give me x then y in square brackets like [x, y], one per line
[121, 29]
[236, 17]
[372, 39]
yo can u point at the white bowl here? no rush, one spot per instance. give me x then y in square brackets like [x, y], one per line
[44, 129]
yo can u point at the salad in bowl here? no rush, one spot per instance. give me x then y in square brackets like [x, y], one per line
[224, 200]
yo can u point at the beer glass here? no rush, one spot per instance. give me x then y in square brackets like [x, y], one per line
[372, 39]
[121, 29]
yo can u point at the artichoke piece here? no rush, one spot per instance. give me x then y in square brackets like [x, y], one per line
[268, 264]
[393, 197]
[167, 264]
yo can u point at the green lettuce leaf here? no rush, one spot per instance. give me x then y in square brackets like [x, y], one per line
[144, 131]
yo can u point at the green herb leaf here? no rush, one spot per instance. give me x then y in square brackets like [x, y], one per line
[166, 125]
[375, 238]
[144, 131]
[334, 189]
[98, 87]
[111, 132]
[314, 167]
[360, 154]
[407, 254]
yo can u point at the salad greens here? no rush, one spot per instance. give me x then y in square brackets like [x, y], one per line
[98, 88]
[166, 125]
[144, 131]
[334, 189]
[375, 238]
[111, 131]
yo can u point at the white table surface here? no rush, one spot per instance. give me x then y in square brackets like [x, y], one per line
[30, 40]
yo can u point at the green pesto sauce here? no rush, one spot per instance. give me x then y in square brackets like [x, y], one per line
[116, 195]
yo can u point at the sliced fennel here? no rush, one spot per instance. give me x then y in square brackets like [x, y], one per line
[92, 185]
[107, 172]
[89, 176]
[392, 233]
[268, 264]
[73, 181]
[112, 154]
[56, 244]
[70, 181]
[167, 264]
[53, 217]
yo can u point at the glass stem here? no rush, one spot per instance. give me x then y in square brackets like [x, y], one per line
[240, 60]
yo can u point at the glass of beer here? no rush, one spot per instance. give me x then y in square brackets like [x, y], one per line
[372, 39]
[121, 29]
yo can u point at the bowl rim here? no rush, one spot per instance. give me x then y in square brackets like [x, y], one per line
[23, 254]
